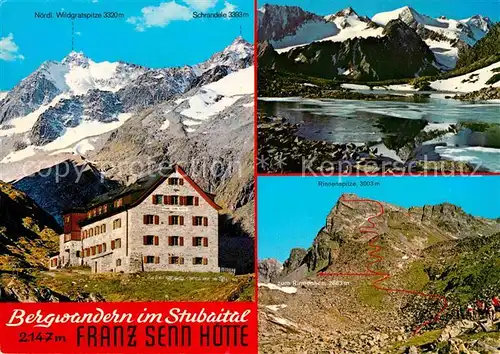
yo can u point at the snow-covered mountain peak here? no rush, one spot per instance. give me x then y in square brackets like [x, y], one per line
[240, 47]
[238, 55]
[348, 11]
[76, 59]
[479, 21]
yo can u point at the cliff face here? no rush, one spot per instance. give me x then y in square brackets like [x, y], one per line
[27, 233]
[400, 53]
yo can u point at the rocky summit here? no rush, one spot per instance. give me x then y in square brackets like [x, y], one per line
[324, 300]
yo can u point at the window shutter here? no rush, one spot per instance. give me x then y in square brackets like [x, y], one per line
[181, 220]
[194, 220]
[181, 200]
[193, 260]
[157, 259]
[196, 201]
[194, 241]
[181, 181]
[144, 240]
[145, 259]
[157, 219]
[145, 219]
[205, 221]
[157, 240]
[170, 241]
[181, 241]
[112, 244]
[165, 199]
[181, 260]
[205, 241]
[155, 200]
[205, 261]
[169, 259]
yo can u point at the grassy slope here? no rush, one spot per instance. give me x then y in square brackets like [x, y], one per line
[27, 234]
[154, 286]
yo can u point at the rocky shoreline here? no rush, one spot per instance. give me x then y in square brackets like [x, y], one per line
[484, 94]
[281, 150]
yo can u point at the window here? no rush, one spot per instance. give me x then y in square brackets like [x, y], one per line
[198, 260]
[175, 241]
[99, 248]
[118, 262]
[116, 243]
[174, 200]
[91, 232]
[152, 259]
[151, 240]
[151, 219]
[93, 250]
[200, 241]
[118, 203]
[200, 220]
[103, 228]
[190, 200]
[105, 208]
[85, 234]
[96, 230]
[197, 220]
[77, 254]
[175, 181]
[176, 260]
[117, 224]
[104, 247]
[157, 199]
[176, 220]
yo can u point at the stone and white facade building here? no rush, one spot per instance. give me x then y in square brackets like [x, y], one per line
[163, 222]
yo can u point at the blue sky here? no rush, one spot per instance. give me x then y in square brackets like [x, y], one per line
[456, 9]
[151, 33]
[291, 210]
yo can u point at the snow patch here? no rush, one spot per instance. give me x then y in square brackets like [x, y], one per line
[24, 124]
[275, 308]
[473, 81]
[165, 125]
[285, 289]
[70, 137]
[308, 32]
[437, 126]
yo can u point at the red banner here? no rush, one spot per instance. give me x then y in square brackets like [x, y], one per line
[152, 327]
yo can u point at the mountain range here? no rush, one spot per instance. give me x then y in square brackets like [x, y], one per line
[288, 27]
[61, 96]
[115, 122]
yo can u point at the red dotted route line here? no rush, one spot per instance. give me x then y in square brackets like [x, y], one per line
[377, 258]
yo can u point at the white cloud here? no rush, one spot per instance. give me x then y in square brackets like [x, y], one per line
[201, 5]
[160, 16]
[78, 33]
[8, 49]
[228, 7]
